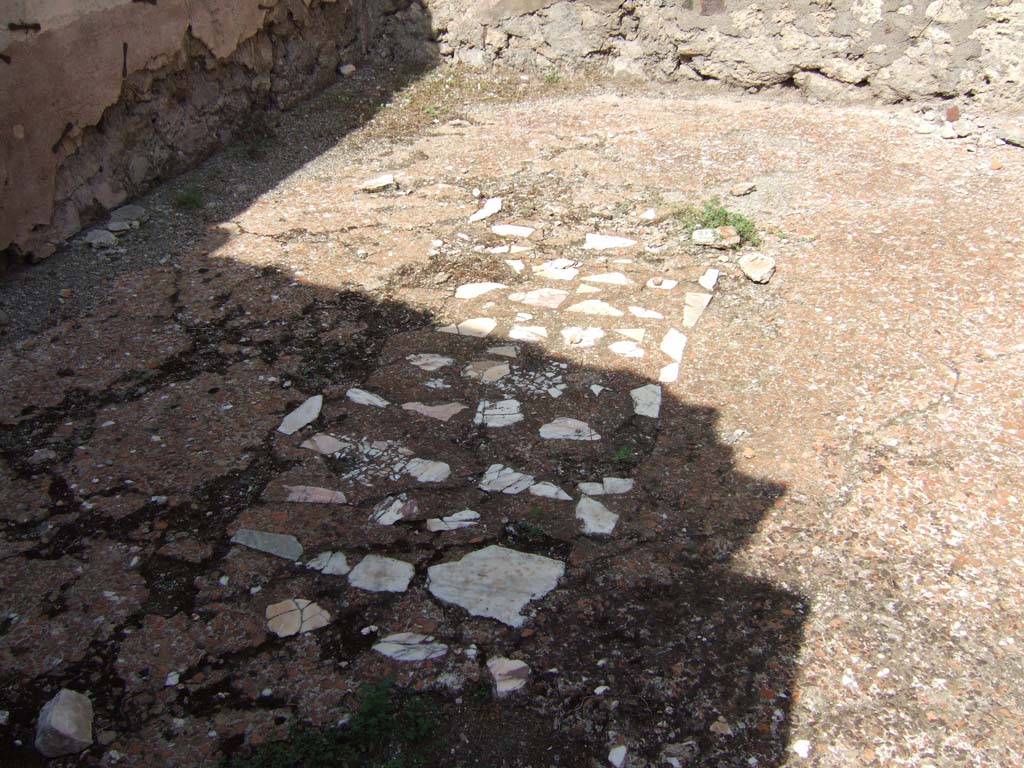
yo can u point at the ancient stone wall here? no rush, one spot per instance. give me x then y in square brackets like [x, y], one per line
[891, 50]
[100, 98]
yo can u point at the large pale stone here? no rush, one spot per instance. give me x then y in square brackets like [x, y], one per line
[474, 290]
[278, 544]
[757, 267]
[596, 242]
[501, 479]
[410, 646]
[381, 574]
[565, 428]
[646, 400]
[595, 516]
[295, 617]
[65, 724]
[509, 675]
[301, 416]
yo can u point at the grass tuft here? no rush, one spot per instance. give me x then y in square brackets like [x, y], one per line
[189, 197]
[712, 214]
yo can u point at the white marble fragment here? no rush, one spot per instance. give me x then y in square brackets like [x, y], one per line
[516, 265]
[381, 574]
[607, 486]
[626, 348]
[394, 508]
[597, 389]
[488, 209]
[587, 289]
[558, 269]
[608, 278]
[362, 397]
[673, 344]
[709, 279]
[501, 479]
[617, 755]
[427, 471]
[596, 242]
[476, 327]
[509, 350]
[757, 267]
[429, 361]
[295, 617]
[495, 582]
[463, 519]
[487, 371]
[512, 230]
[694, 305]
[575, 336]
[636, 334]
[330, 564]
[277, 544]
[323, 443]
[596, 517]
[509, 675]
[502, 413]
[474, 290]
[549, 491]
[595, 307]
[410, 646]
[528, 333]
[380, 183]
[550, 298]
[663, 283]
[668, 373]
[647, 400]
[646, 314]
[64, 726]
[442, 412]
[565, 428]
[309, 494]
[301, 416]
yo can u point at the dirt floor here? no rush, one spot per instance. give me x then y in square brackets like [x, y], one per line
[813, 553]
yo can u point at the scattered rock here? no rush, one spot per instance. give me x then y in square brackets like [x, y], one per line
[322, 443]
[575, 336]
[512, 231]
[477, 327]
[502, 413]
[627, 348]
[133, 214]
[305, 414]
[663, 283]
[636, 334]
[495, 582]
[528, 333]
[558, 269]
[673, 344]
[952, 113]
[380, 184]
[394, 508]
[647, 400]
[757, 267]
[489, 208]
[694, 305]
[463, 519]
[277, 544]
[609, 278]
[295, 617]
[595, 307]
[381, 574]
[802, 747]
[646, 314]
[474, 290]
[550, 298]
[709, 279]
[486, 371]
[442, 412]
[597, 519]
[607, 486]
[564, 428]
[309, 494]
[430, 362]
[100, 238]
[721, 727]
[509, 675]
[617, 755]
[65, 724]
[362, 397]
[743, 188]
[347, 70]
[501, 479]
[1014, 139]
[549, 491]
[330, 564]
[668, 373]
[427, 471]
[410, 646]
[596, 242]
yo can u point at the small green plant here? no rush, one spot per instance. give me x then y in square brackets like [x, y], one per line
[623, 453]
[189, 197]
[552, 78]
[712, 214]
[529, 529]
[433, 110]
[387, 731]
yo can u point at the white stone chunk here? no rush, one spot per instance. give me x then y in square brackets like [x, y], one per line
[668, 373]
[694, 305]
[516, 265]
[440, 412]
[673, 344]
[330, 564]
[597, 389]
[509, 675]
[636, 334]
[564, 428]
[516, 248]
[488, 209]
[595, 307]
[277, 544]
[596, 242]
[410, 646]
[663, 283]
[506, 351]
[487, 371]
[574, 336]
[474, 290]
[380, 183]
[596, 517]
[512, 230]
[476, 327]
[540, 297]
[65, 724]
[609, 278]
[394, 508]
[495, 582]
[549, 491]
[295, 617]
[646, 314]
[502, 413]
[617, 756]
[757, 267]
[322, 443]
[463, 519]
[647, 400]
[522, 317]
[626, 348]
[591, 489]
[558, 269]
[429, 361]
[310, 494]
[587, 289]
[528, 333]
[381, 574]
[501, 479]
[709, 279]
[427, 471]
[362, 397]
[301, 416]
[614, 485]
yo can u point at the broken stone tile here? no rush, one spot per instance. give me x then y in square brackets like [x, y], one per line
[330, 564]
[522, 317]
[301, 416]
[673, 344]
[608, 278]
[743, 188]
[277, 544]
[706, 236]
[647, 400]
[477, 327]
[587, 289]
[509, 675]
[440, 412]
[596, 242]
[757, 267]
[558, 269]
[394, 508]
[565, 428]
[528, 333]
[362, 397]
[709, 279]
[595, 307]
[646, 314]
[617, 755]
[694, 305]
[502, 413]
[410, 646]
[549, 491]
[596, 517]
[380, 183]
[607, 486]
[474, 290]
[540, 297]
[512, 230]
[463, 519]
[495, 582]
[100, 238]
[295, 617]
[488, 209]
[668, 373]
[574, 336]
[501, 479]
[381, 574]
[662, 283]
[436, 384]
[322, 443]
[427, 471]
[309, 494]
[429, 361]
[505, 351]
[516, 265]
[487, 371]
[597, 389]
[626, 348]
[636, 334]
[65, 724]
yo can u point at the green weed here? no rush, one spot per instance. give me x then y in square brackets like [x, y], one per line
[189, 197]
[623, 453]
[712, 214]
